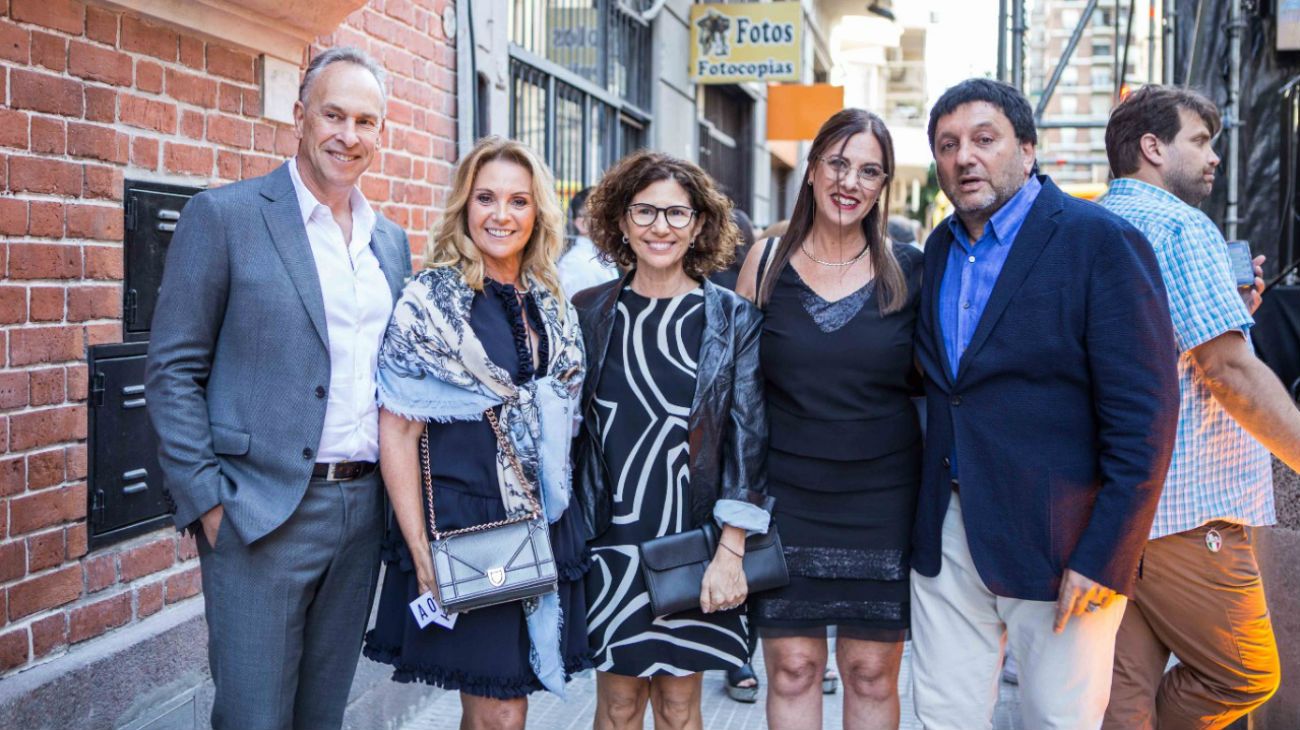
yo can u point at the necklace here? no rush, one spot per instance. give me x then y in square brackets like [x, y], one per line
[850, 262]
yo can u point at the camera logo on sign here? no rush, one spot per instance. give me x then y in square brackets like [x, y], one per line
[496, 576]
[713, 34]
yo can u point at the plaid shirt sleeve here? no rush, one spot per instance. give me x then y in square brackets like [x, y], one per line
[1203, 297]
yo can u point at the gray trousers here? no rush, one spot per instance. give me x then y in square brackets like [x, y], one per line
[286, 614]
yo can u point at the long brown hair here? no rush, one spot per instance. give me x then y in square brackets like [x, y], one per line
[891, 285]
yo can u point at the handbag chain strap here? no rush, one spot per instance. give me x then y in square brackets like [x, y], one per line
[534, 509]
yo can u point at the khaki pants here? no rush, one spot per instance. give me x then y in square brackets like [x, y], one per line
[959, 631]
[1208, 609]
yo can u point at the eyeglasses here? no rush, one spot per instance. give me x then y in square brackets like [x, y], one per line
[869, 175]
[643, 214]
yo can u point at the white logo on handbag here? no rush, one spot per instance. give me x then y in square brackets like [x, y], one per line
[496, 576]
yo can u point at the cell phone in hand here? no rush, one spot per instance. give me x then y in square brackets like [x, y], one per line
[1243, 265]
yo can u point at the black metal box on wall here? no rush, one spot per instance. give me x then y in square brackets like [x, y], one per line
[124, 492]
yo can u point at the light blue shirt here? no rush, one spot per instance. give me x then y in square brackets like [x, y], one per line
[1218, 472]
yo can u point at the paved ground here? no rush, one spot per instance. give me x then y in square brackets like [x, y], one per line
[546, 712]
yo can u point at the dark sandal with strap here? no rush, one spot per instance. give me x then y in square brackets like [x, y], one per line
[740, 674]
[830, 682]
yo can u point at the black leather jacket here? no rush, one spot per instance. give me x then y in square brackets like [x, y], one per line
[728, 421]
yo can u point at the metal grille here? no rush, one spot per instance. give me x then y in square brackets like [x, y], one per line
[726, 141]
[580, 84]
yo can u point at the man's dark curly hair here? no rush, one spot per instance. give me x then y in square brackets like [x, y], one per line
[715, 246]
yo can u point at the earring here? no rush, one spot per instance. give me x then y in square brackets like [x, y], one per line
[625, 241]
[692, 244]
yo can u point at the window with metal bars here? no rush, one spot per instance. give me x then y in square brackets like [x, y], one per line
[580, 84]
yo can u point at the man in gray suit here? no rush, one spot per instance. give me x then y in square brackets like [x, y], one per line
[260, 384]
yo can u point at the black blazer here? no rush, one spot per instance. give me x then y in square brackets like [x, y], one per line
[728, 420]
[1063, 410]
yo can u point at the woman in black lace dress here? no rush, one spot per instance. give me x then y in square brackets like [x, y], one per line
[844, 464]
[674, 434]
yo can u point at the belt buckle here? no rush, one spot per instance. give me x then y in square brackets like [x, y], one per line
[330, 475]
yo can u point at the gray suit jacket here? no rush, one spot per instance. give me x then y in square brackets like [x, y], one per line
[238, 358]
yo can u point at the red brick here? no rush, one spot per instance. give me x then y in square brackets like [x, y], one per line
[258, 165]
[185, 159]
[13, 561]
[45, 550]
[251, 104]
[13, 219]
[192, 52]
[42, 344]
[101, 25]
[286, 141]
[397, 165]
[101, 572]
[138, 111]
[101, 104]
[191, 88]
[263, 137]
[13, 476]
[230, 64]
[49, 633]
[38, 175]
[13, 649]
[13, 129]
[148, 599]
[94, 302]
[46, 219]
[4, 355]
[147, 559]
[87, 622]
[46, 389]
[49, 50]
[14, 386]
[44, 261]
[13, 309]
[95, 63]
[149, 77]
[15, 42]
[48, 426]
[103, 334]
[103, 263]
[74, 457]
[75, 539]
[48, 136]
[104, 182]
[187, 548]
[4, 596]
[97, 222]
[96, 142]
[144, 153]
[141, 36]
[68, 16]
[192, 124]
[47, 303]
[183, 585]
[44, 592]
[230, 98]
[227, 165]
[45, 93]
[230, 131]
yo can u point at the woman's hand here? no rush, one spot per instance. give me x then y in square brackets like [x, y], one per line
[423, 560]
[724, 586]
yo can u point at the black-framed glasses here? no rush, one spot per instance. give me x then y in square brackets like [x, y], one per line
[644, 214]
[868, 174]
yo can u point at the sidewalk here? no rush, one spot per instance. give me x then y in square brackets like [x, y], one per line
[546, 712]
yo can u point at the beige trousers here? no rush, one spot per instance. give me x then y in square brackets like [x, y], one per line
[1206, 607]
[959, 632]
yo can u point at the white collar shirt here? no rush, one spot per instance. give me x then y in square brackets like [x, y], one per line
[358, 304]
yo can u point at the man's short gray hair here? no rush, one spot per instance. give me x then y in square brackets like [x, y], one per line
[349, 54]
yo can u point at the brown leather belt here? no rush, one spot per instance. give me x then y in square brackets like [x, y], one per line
[342, 471]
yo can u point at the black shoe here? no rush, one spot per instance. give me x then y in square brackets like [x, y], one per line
[740, 674]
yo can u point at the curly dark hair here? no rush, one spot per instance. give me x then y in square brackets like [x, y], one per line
[715, 246]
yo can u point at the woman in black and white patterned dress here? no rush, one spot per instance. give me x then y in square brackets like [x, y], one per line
[675, 432]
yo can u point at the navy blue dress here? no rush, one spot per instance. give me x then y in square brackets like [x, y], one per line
[486, 654]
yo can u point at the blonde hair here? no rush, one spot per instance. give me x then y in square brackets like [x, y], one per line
[452, 246]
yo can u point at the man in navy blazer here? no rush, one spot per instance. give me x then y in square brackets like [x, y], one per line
[1052, 397]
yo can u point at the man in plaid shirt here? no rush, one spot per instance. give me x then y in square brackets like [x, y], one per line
[1199, 593]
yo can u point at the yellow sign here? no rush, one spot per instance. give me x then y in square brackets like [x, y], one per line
[732, 44]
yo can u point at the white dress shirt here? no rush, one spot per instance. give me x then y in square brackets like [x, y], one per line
[358, 304]
[582, 267]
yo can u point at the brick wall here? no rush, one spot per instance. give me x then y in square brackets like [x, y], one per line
[92, 96]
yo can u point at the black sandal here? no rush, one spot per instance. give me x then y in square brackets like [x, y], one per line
[735, 676]
[830, 682]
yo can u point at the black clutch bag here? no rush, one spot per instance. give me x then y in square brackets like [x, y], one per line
[673, 566]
